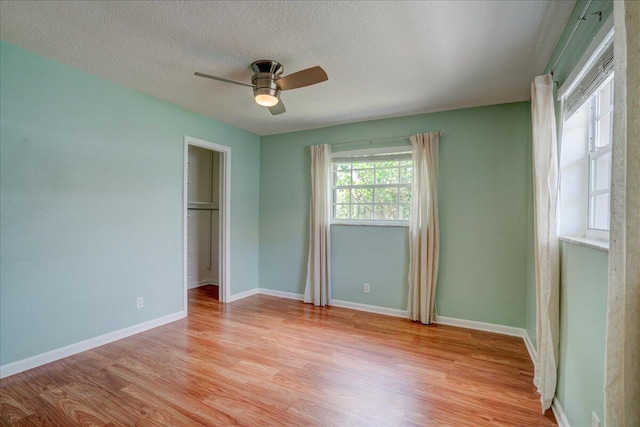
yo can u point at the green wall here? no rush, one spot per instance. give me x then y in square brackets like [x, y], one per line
[379, 257]
[483, 176]
[583, 320]
[91, 204]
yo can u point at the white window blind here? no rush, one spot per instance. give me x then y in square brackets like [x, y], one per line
[591, 81]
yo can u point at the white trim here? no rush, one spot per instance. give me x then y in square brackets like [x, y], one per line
[241, 295]
[281, 294]
[558, 412]
[600, 245]
[225, 216]
[600, 41]
[369, 308]
[481, 326]
[79, 347]
[530, 347]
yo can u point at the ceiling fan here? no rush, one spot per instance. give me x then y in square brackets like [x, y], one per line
[267, 82]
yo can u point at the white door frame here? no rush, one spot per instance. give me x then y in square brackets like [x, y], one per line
[224, 244]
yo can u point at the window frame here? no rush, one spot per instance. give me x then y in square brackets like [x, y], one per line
[401, 152]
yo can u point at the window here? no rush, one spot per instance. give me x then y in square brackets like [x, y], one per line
[371, 188]
[585, 157]
[600, 137]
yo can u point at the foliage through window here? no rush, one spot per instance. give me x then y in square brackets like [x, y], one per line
[372, 188]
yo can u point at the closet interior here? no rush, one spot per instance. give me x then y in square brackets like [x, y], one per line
[203, 217]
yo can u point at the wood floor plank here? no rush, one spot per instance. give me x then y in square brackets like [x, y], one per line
[265, 361]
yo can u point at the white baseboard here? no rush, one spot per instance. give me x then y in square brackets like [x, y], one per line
[281, 294]
[241, 295]
[530, 347]
[70, 350]
[369, 308]
[481, 326]
[558, 412]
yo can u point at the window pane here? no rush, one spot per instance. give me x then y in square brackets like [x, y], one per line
[600, 211]
[363, 165]
[600, 172]
[605, 97]
[387, 176]
[341, 211]
[405, 162]
[405, 211]
[386, 212]
[386, 195]
[604, 131]
[342, 178]
[360, 211]
[362, 195]
[363, 177]
[342, 166]
[386, 164]
[342, 195]
[405, 194]
[405, 175]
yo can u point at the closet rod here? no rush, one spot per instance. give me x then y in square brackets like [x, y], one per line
[371, 140]
[581, 18]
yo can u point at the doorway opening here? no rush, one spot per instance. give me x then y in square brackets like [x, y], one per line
[206, 208]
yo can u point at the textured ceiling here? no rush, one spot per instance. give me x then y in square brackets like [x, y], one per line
[384, 59]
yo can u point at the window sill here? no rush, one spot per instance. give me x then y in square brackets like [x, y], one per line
[373, 223]
[600, 245]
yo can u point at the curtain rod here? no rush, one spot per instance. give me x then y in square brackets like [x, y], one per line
[581, 18]
[372, 140]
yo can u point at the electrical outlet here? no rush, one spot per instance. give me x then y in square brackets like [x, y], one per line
[595, 422]
[139, 302]
[366, 288]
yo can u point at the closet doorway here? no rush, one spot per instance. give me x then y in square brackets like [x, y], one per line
[206, 208]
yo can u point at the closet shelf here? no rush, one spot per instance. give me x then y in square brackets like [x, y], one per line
[202, 206]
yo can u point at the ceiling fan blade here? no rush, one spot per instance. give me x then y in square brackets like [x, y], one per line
[222, 80]
[303, 78]
[278, 108]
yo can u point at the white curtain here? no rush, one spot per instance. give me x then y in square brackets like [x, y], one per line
[318, 286]
[622, 356]
[547, 251]
[423, 229]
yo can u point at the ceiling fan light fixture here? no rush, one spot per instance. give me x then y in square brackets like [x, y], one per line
[265, 90]
[267, 82]
[266, 99]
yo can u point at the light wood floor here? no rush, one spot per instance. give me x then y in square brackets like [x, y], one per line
[267, 361]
